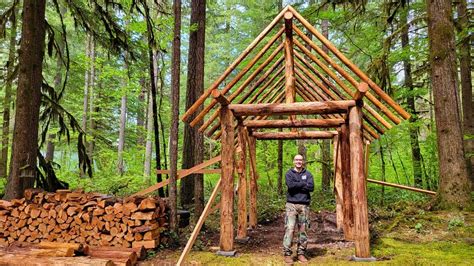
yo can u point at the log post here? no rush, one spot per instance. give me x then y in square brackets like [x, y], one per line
[226, 242]
[338, 188]
[348, 215]
[289, 62]
[359, 197]
[242, 191]
[253, 182]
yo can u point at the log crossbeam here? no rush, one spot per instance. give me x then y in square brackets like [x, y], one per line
[294, 135]
[319, 123]
[299, 108]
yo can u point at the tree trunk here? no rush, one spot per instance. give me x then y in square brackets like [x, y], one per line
[326, 165]
[413, 128]
[86, 84]
[175, 71]
[280, 142]
[193, 142]
[453, 191]
[382, 162]
[141, 116]
[7, 101]
[149, 140]
[326, 145]
[92, 108]
[151, 43]
[121, 143]
[466, 87]
[28, 100]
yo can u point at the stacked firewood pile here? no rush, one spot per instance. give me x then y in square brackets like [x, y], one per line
[55, 253]
[85, 218]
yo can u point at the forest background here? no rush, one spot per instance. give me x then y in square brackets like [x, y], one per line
[105, 62]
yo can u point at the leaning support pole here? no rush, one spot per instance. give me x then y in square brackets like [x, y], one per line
[347, 210]
[199, 224]
[359, 197]
[253, 182]
[338, 188]
[226, 241]
[242, 191]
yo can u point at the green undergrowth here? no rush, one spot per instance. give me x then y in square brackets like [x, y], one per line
[403, 232]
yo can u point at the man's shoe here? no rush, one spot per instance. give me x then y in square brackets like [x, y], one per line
[289, 260]
[302, 259]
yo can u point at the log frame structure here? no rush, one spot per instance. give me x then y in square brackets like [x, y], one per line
[314, 89]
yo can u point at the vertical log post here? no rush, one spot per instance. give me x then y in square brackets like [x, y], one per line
[359, 197]
[338, 188]
[226, 242]
[242, 191]
[348, 215]
[253, 182]
[289, 62]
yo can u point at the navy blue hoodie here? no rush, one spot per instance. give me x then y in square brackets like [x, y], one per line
[299, 186]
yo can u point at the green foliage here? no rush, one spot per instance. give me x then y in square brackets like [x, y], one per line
[456, 221]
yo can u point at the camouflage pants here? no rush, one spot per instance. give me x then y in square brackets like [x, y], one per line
[297, 215]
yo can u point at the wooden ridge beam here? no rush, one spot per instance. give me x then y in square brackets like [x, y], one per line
[234, 81]
[232, 66]
[294, 135]
[299, 108]
[350, 65]
[319, 123]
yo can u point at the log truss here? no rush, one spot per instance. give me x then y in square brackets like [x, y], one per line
[289, 75]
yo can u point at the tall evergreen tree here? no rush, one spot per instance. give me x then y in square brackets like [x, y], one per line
[175, 73]
[453, 189]
[193, 142]
[28, 100]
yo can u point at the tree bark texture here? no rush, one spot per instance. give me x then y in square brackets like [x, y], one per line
[413, 128]
[151, 70]
[121, 143]
[453, 191]
[193, 142]
[175, 71]
[92, 108]
[466, 87]
[141, 127]
[149, 140]
[7, 101]
[25, 132]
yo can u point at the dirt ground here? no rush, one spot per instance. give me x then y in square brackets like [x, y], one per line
[265, 243]
[405, 237]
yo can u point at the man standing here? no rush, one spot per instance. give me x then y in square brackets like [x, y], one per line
[300, 183]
